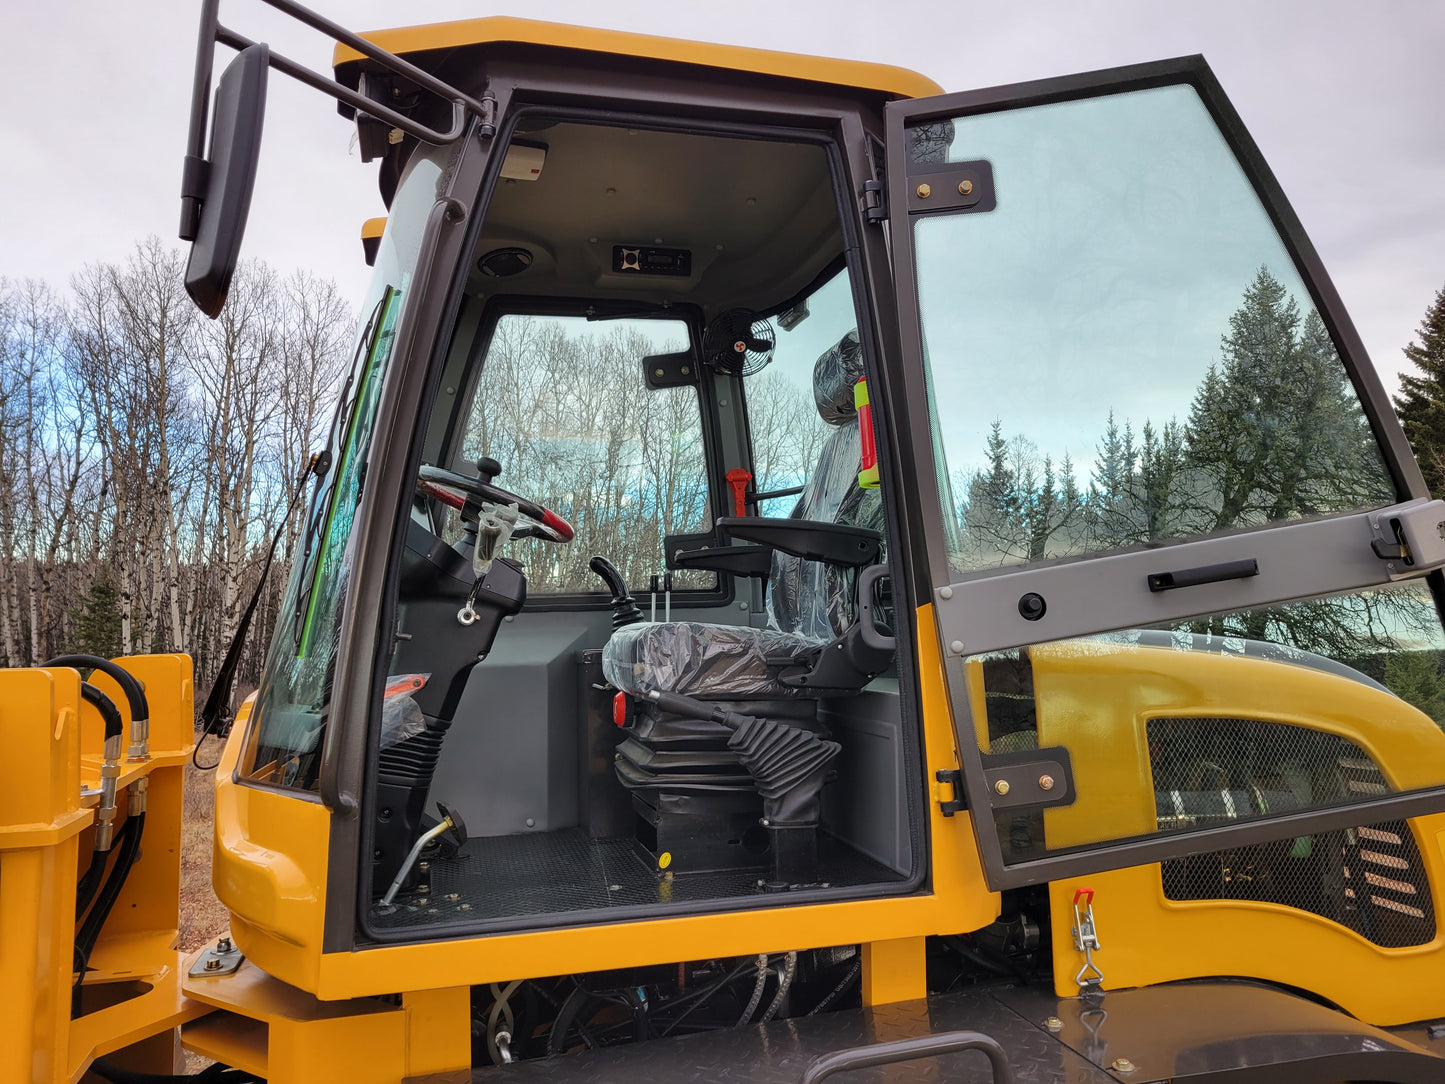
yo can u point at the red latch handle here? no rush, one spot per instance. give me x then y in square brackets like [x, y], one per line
[1081, 893]
[739, 479]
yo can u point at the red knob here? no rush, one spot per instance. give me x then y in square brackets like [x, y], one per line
[619, 709]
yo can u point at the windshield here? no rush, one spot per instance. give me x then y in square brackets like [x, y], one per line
[285, 741]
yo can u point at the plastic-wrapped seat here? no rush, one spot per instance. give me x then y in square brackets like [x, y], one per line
[696, 802]
[810, 603]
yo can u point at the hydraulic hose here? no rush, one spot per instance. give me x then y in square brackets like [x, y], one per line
[140, 712]
[110, 769]
[756, 999]
[89, 934]
[785, 983]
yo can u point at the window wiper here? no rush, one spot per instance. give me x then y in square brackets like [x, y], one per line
[307, 584]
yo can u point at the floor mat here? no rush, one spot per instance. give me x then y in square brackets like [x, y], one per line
[565, 872]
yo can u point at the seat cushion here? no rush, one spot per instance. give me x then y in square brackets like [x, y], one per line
[715, 662]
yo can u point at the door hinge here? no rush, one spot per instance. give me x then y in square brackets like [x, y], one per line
[874, 202]
[950, 806]
[489, 117]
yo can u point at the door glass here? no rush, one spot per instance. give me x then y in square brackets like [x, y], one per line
[1121, 355]
[1121, 351]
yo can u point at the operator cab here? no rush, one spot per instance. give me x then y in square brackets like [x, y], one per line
[643, 651]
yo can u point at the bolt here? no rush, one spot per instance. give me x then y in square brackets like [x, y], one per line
[965, 186]
[422, 902]
[213, 964]
[1123, 1065]
[1046, 782]
[223, 945]
[453, 896]
[956, 647]
[924, 191]
[464, 907]
[1053, 1023]
[1001, 787]
[423, 865]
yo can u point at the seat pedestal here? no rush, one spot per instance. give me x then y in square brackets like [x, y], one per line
[697, 809]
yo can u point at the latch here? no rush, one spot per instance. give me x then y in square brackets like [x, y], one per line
[952, 805]
[1409, 538]
[1086, 940]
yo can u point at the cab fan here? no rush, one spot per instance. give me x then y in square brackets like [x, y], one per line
[739, 342]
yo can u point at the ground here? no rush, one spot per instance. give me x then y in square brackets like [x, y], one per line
[202, 916]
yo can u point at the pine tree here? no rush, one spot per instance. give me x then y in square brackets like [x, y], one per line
[97, 620]
[1421, 402]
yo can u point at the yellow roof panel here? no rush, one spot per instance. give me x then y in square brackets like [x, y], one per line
[882, 78]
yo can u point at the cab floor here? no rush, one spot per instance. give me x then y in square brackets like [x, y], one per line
[564, 872]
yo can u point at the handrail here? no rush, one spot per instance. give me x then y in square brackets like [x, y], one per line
[925, 1046]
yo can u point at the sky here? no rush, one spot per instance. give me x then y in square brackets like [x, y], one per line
[1346, 100]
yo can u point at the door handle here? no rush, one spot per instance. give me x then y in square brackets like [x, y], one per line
[1194, 577]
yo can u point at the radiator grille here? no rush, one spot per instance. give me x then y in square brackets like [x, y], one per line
[1212, 771]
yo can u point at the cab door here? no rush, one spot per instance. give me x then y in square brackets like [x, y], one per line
[1182, 561]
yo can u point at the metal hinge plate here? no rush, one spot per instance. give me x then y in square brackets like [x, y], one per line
[874, 201]
[1034, 778]
[222, 958]
[950, 806]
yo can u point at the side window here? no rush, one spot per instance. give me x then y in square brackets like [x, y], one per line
[787, 433]
[1141, 362]
[561, 404]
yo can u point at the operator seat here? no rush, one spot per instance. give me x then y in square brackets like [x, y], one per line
[698, 806]
[809, 602]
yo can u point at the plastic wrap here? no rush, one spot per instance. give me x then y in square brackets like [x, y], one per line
[719, 662]
[808, 597]
[834, 374]
[401, 717]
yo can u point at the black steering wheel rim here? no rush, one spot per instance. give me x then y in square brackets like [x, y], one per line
[554, 527]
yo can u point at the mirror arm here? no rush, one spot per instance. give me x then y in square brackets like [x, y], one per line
[360, 102]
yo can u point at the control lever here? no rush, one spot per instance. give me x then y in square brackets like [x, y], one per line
[451, 823]
[494, 527]
[624, 606]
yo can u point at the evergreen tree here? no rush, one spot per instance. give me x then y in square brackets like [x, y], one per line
[97, 620]
[1421, 402]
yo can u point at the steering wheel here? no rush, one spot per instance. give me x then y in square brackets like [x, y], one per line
[441, 485]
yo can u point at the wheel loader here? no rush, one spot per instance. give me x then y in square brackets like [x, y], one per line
[809, 576]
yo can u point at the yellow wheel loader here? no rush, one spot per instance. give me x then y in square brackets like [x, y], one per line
[809, 576]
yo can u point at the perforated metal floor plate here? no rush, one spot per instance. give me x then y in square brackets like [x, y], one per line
[565, 872]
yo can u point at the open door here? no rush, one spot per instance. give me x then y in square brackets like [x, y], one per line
[1182, 558]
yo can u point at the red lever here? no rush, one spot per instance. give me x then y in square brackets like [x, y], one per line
[739, 479]
[619, 709]
[1083, 892]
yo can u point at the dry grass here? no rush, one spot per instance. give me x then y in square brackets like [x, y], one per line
[202, 916]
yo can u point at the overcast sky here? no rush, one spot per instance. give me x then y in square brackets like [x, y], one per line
[1347, 101]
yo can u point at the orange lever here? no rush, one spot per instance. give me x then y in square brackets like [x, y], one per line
[739, 479]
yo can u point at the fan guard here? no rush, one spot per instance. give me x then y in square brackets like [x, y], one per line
[739, 342]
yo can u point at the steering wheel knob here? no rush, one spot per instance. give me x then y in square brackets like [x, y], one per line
[488, 468]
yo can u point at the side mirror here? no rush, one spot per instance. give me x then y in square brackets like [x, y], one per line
[230, 176]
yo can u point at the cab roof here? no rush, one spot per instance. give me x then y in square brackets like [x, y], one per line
[882, 79]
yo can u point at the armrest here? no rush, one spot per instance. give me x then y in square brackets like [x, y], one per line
[730, 560]
[810, 539]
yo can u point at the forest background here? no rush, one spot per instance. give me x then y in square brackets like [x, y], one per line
[148, 455]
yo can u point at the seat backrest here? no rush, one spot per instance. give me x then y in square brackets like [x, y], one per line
[809, 597]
